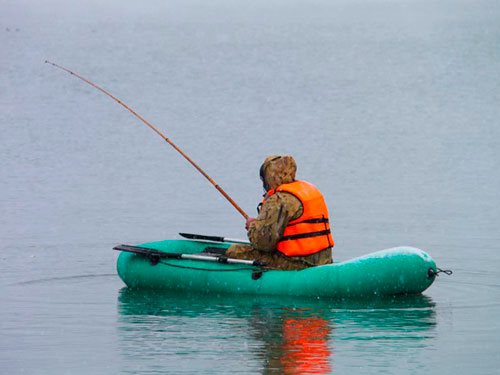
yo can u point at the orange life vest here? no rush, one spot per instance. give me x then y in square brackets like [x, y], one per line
[310, 233]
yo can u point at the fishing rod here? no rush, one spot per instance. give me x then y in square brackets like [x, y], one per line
[157, 131]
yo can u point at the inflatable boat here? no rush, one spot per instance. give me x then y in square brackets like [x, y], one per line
[200, 266]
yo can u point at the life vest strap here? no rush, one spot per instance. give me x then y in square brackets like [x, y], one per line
[305, 235]
[311, 221]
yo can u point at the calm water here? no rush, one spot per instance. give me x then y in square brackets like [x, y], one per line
[390, 107]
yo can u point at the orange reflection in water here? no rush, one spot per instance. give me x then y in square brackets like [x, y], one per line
[305, 346]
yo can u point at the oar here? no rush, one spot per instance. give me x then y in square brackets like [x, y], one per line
[157, 131]
[155, 255]
[192, 236]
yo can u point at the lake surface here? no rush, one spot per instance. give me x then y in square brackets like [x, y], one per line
[391, 107]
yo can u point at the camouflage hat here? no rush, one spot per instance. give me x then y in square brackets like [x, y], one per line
[277, 170]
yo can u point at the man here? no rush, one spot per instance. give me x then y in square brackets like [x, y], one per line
[292, 229]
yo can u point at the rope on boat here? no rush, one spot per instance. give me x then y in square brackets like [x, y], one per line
[433, 273]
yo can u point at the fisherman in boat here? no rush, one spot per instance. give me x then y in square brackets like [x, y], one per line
[292, 229]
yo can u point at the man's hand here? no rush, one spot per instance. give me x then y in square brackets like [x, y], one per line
[249, 220]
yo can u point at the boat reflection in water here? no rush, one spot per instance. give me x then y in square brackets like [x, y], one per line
[161, 332]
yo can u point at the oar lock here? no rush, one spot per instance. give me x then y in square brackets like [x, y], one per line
[154, 259]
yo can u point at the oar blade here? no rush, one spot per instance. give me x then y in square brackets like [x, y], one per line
[203, 237]
[193, 236]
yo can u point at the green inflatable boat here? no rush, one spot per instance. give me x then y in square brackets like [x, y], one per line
[200, 267]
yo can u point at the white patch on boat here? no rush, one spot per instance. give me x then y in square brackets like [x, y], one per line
[396, 251]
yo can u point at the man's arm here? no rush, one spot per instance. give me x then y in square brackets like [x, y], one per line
[265, 231]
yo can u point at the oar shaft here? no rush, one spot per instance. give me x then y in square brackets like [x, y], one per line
[208, 258]
[157, 131]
